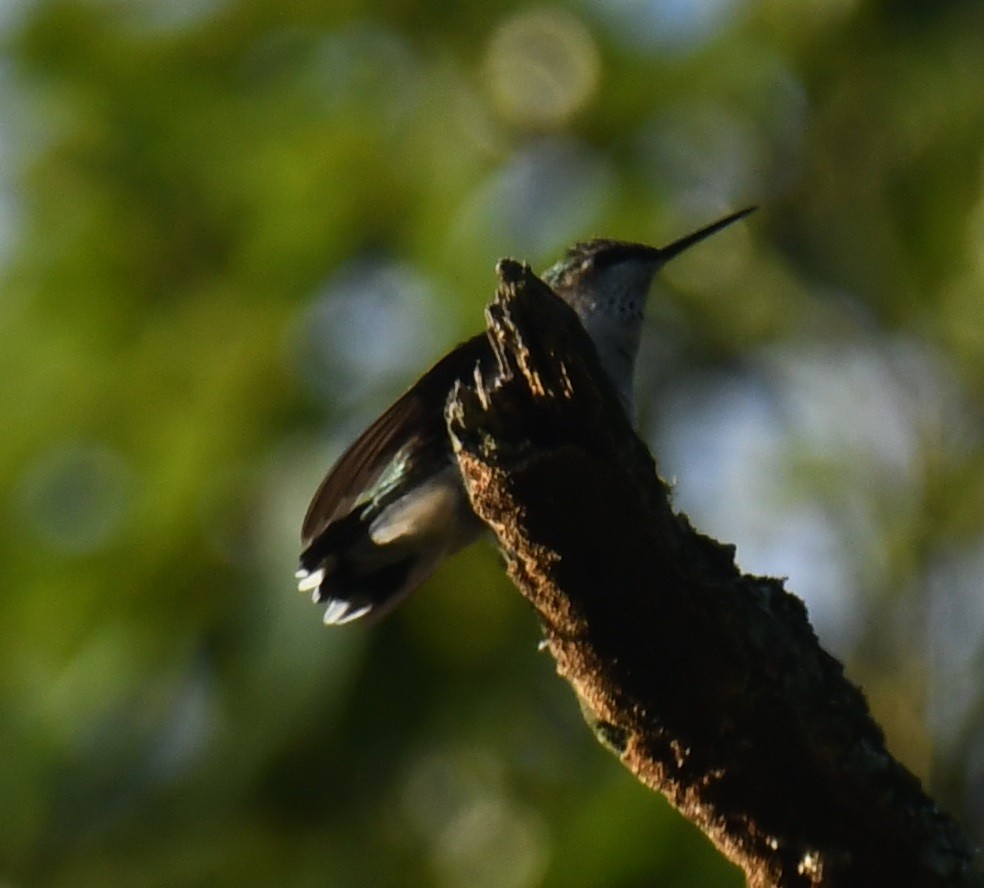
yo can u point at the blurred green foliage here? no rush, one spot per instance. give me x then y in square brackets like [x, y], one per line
[230, 231]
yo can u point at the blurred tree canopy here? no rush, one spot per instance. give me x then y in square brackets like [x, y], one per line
[230, 231]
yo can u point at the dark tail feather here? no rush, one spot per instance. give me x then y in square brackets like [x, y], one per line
[343, 569]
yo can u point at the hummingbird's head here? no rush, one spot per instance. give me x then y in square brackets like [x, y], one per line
[604, 275]
[607, 281]
[615, 276]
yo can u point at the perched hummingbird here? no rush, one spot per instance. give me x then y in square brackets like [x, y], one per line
[394, 505]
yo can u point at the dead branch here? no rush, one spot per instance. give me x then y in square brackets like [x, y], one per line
[709, 684]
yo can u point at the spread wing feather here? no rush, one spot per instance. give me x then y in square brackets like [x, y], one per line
[411, 424]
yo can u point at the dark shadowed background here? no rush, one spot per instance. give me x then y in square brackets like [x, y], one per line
[231, 232]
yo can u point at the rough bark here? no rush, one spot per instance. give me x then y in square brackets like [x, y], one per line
[708, 684]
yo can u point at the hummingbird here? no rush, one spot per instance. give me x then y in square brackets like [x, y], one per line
[394, 506]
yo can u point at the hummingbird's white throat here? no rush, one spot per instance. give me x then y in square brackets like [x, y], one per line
[611, 302]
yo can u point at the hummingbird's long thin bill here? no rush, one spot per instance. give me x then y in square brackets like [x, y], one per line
[685, 243]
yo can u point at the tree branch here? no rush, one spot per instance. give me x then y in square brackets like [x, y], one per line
[708, 684]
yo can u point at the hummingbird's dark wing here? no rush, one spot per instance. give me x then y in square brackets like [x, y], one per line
[393, 505]
[412, 425]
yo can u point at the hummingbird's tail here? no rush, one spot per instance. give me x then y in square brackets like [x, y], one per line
[343, 570]
[366, 562]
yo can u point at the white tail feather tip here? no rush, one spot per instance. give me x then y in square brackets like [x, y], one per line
[311, 581]
[339, 612]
